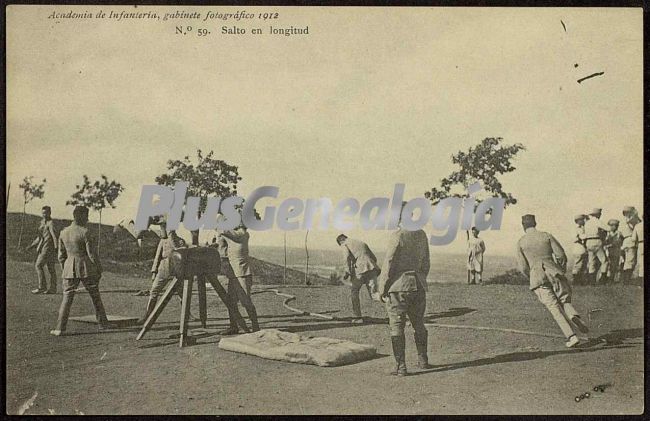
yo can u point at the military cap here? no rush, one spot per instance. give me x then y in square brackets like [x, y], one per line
[629, 209]
[580, 216]
[595, 211]
[613, 222]
[528, 219]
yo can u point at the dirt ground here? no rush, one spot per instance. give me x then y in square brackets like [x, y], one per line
[476, 371]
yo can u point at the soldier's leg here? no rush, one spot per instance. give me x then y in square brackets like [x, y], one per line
[53, 280]
[547, 297]
[600, 265]
[354, 295]
[69, 287]
[92, 286]
[639, 260]
[578, 268]
[396, 309]
[243, 291]
[415, 311]
[157, 286]
[40, 264]
[562, 290]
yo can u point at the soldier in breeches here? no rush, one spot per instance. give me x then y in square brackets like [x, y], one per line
[403, 286]
[595, 234]
[579, 251]
[541, 258]
[240, 280]
[160, 268]
[362, 270]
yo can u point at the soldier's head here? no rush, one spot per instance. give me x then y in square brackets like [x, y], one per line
[596, 212]
[630, 213]
[613, 224]
[475, 232]
[528, 221]
[580, 219]
[341, 239]
[80, 215]
[46, 211]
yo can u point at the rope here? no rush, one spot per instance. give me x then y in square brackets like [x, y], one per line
[290, 298]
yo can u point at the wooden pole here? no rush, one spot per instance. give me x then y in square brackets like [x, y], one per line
[284, 276]
[307, 260]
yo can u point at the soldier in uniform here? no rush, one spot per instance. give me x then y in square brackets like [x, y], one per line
[637, 238]
[237, 251]
[362, 270]
[579, 251]
[160, 269]
[46, 247]
[613, 246]
[403, 286]
[79, 263]
[541, 258]
[595, 234]
[228, 272]
[475, 250]
[629, 247]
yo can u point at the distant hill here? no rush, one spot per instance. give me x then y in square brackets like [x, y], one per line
[120, 253]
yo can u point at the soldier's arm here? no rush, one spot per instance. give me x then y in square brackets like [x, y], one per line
[425, 264]
[63, 254]
[483, 248]
[558, 251]
[156, 259]
[52, 231]
[387, 267]
[522, 262]
[90, 250]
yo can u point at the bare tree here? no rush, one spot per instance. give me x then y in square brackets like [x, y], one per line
[31, 191]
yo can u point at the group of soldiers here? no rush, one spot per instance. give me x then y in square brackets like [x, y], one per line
[400, 283]
[607, 253]
[75, 251]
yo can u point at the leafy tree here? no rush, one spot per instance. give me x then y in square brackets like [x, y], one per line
[97, 195]
[206, 176]
[482, 163]
[31, 191]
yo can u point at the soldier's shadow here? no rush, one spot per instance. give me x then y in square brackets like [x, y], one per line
[613, 340]
[452, 312]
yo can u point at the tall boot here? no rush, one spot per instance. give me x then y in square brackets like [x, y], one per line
[421, 345]
[399, 352]
[100, 312]
[64, 311]
[626, 275]
[151, 304]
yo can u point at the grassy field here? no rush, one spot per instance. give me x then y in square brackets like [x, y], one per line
[475, 371]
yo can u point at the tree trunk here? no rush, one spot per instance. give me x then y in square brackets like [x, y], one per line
[22, 223]
[195, 238]
[284, 276]
[99, 233]
[306, 261]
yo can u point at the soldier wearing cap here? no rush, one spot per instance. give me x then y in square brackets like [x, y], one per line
[595, 235]
[613, 249]
[629, 246]
[475, 251]
[362, 269]
[579, 251]
[541, 258]
[403, 286]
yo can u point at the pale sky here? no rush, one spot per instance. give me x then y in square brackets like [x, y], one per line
[371, 97]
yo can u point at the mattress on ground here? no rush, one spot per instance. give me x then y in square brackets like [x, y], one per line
[285, 346]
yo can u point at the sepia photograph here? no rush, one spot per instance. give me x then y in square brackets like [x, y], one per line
[284, 210]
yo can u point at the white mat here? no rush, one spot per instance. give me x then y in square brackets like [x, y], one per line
[284, 346]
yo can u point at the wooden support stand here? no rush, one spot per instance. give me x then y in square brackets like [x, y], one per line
[185, 278]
